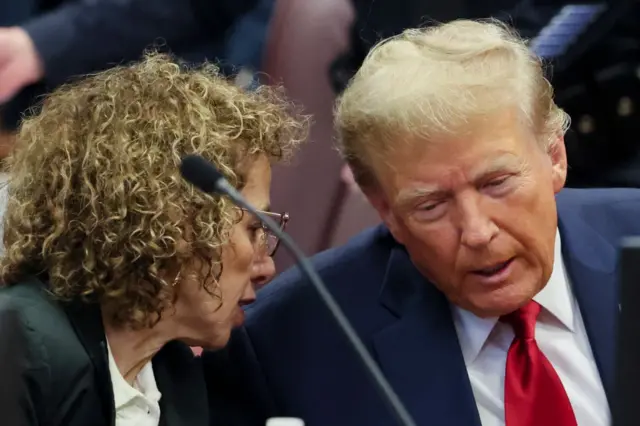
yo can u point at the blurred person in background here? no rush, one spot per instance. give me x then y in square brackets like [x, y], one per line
[113, 264]
[488, 296]
[44, 43]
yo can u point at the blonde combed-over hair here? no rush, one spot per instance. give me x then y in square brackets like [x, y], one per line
[431, 82]
[96, 200]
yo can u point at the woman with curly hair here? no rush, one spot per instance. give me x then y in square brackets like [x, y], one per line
[113, 264]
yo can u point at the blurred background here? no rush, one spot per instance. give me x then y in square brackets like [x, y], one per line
[312, 48]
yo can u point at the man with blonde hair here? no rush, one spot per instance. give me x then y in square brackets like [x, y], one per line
[488, 295]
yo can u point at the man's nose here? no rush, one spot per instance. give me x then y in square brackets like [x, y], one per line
[477, 227]
[263, 271]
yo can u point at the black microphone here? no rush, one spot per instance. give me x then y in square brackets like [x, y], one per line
[205, 176]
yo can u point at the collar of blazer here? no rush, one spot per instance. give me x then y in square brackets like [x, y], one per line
[177, 371]
[86, 320]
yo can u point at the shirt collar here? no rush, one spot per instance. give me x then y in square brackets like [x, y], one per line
[556, 299]
[123, 392]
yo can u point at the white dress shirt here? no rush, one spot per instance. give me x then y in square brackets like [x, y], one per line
[561, 336]
[137, 405]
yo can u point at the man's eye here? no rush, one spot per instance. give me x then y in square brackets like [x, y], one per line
[429, 207]
[254, 228]
[431, 211]
[497, 182]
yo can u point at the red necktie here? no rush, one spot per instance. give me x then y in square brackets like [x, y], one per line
[533, 392]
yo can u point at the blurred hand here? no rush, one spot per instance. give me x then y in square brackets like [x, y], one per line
[20, 64]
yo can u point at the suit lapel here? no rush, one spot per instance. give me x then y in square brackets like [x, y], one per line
[86, 320]
[178, 374]
[419, 353]
[591, 265]
[180, 379]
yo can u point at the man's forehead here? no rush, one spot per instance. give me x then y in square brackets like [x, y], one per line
[501, 161]
[257, 186]
[258, 196]
[262, 204]
[421, 180]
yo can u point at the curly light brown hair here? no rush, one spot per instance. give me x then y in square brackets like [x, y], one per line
[96, 201]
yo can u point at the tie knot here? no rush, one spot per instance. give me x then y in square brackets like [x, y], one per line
[524, 320]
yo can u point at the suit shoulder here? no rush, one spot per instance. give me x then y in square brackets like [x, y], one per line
[42, 321]
[613, 211]
[22, 300]
[615, 197]
[364, 254]
[26, 365]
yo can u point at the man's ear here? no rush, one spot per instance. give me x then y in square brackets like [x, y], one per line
[381, 204]
[558, 155]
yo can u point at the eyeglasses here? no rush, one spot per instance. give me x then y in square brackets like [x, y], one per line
[269, 241]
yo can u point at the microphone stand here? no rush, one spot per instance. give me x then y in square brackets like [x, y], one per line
[388, 394]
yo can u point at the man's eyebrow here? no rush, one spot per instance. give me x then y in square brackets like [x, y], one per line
[505, 161]
[407, 196]
[266, 207]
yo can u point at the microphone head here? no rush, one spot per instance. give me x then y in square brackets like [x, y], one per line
[201, 173]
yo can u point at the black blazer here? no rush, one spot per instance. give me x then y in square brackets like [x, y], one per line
[54, 367]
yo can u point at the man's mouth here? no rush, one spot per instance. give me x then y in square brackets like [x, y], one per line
[494, 269]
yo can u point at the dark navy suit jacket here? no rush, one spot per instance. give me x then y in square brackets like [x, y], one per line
[291, 359]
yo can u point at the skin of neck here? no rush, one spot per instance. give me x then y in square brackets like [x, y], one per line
[133, 349]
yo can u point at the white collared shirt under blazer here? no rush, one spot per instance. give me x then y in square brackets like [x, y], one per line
[561, 336]
[137, 405]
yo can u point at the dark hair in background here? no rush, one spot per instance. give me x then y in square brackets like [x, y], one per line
[379, 19]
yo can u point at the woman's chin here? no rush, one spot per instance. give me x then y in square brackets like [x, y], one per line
[214, 342]
[212, 346]
[216, 335]
[237, 319]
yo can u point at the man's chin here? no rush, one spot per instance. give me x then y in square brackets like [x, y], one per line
[499, 302]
